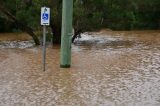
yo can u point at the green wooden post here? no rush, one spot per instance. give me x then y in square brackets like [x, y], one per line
[67, 16]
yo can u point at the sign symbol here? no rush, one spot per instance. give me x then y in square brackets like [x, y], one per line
[45, 16]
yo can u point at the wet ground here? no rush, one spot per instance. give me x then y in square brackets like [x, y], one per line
[108, 69]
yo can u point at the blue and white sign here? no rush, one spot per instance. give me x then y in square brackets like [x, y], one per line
[45, 16]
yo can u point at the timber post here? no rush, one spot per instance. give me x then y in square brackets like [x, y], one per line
[67, 16]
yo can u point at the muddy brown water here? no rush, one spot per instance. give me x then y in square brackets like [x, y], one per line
[108, 69]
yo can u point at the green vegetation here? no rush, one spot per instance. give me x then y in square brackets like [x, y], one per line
[89, 15]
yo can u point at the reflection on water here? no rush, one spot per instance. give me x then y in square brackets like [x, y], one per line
[108, 69]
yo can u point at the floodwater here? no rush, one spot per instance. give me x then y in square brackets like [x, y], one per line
[109, 68]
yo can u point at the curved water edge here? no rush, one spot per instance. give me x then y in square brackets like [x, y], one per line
[86, 41]
[16, 44]
[100, 42]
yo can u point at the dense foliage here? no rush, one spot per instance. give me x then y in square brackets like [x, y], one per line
[88, 15]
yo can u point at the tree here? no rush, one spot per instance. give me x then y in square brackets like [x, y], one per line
[21, 25]
[88, 15]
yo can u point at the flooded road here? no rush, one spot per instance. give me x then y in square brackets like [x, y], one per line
[108, 69]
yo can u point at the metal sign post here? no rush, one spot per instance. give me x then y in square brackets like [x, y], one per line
[44, 48]
[45, 19]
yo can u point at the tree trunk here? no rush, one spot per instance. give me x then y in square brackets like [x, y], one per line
[56, 30]
[20, 25]
[76, 34]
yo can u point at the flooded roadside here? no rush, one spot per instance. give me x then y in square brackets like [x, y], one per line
[14, 36]
[16, 40]
[108, 69]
